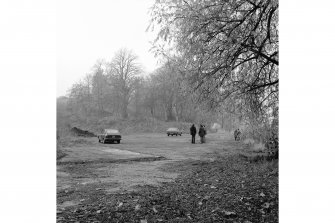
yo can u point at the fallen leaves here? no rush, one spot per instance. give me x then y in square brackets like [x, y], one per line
[206, 197]
[266, 205]
[196, 196]
[120, 204]
[137, 207]
[229, 213]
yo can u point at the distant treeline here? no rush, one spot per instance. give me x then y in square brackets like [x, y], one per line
[118, 88]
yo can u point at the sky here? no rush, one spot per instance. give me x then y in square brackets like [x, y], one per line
[88, 30]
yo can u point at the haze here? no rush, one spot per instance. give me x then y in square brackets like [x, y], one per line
[89, 30]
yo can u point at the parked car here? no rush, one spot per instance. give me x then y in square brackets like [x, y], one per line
[110, 135]
[173, 131]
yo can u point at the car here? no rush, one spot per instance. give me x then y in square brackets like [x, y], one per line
[173, 131]
[110, 135]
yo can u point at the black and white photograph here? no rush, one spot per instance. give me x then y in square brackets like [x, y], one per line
[148, 111]
[167, 111]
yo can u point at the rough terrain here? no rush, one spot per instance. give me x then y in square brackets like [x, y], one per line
[155, 178]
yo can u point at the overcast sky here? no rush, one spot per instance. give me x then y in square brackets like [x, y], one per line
[88, 30]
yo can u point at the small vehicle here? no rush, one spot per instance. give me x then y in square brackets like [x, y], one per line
[173, 131]
[110, 135]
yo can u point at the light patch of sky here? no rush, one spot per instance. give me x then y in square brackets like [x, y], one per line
[88, 30]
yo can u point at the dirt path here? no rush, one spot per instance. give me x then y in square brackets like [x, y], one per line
[140, 159]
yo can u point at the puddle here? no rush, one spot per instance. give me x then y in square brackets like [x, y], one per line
[68, 204]
[62, 174]
[122, 152]
[85, 181]
[113, 190]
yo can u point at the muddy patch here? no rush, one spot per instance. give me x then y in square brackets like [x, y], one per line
[84, 162]
[83, 133]
[122, 152]
[129, 176]
[68, 204]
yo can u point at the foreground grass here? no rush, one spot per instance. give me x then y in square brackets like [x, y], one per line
[225, 190]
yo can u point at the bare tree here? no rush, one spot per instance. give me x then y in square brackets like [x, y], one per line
[123, 71]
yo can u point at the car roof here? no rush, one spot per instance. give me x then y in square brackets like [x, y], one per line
[112, 131]
[173, 128]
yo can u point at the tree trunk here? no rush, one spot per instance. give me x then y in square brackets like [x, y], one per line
[165, 113]
[124, 108]
[175, 112]
[169, 112]
[124, 112]
[152, 111]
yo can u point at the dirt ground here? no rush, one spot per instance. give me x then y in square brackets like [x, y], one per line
[156, 178]
[140, 159]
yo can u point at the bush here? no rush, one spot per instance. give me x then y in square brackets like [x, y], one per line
[262, 139]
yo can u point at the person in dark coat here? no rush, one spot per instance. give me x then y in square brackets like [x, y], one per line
[237, 134]
[202, 133]
[193, 132]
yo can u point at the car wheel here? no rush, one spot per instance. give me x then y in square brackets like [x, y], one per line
[168, 134]
[118, 142]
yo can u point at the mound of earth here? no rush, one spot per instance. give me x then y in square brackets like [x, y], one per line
[79, 132]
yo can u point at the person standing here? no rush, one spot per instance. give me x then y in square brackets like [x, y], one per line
[202, 133]
[193, 132]
[238, 135]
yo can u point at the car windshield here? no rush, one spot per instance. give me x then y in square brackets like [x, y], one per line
[112, 131]
[172, 129]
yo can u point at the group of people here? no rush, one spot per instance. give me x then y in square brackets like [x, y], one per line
[237, 135]
[202, 133]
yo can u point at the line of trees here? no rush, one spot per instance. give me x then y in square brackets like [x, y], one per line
[117, 88]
